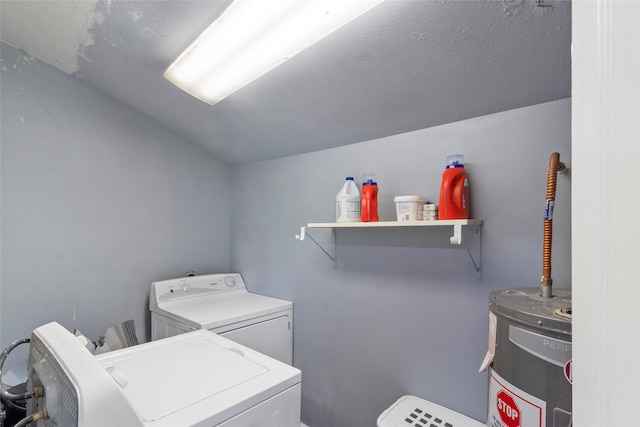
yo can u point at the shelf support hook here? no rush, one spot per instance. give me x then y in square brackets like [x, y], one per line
[456, 239]
[302, 234]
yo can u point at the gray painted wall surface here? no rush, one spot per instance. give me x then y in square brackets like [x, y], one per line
[97, 202]
[402, 312]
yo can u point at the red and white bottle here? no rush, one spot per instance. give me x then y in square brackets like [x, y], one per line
[454, 190]
[369, 205]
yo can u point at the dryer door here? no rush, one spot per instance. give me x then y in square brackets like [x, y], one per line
[271, 337]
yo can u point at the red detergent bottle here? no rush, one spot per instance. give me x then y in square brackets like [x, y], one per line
[369, 205]
[454, 190]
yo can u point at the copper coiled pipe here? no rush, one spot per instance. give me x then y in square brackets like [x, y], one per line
[555, 165]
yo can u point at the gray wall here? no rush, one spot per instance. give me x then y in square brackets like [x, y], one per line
[401, 312]
[97, 202]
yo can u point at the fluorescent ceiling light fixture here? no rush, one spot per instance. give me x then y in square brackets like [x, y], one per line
[252, 37]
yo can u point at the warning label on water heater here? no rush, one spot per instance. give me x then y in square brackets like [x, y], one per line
[511, 407]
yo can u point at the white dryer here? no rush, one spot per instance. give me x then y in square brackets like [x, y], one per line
[222, 304]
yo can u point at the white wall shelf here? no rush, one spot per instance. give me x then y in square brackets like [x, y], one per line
[456, 239]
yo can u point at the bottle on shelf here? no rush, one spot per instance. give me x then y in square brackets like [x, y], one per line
[454, 190]
[348, 202]
[369, 199]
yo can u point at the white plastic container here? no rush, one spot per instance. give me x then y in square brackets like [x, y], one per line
[409, 208]
[429, 212]
[414, 411]
[348, 202]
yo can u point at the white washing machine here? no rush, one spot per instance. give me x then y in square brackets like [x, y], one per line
[194, 379]
[222, 304]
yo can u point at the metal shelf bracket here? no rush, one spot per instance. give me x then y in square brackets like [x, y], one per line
[303, 234]
[457, 239]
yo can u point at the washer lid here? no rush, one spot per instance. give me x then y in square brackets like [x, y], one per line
[195, 376]
[212, 311]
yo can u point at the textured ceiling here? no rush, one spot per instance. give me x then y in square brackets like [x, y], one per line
[404, 65]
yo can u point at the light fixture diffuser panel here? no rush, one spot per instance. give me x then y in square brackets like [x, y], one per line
[254, 36]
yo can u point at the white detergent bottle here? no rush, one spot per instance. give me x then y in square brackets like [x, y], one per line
[348, 202]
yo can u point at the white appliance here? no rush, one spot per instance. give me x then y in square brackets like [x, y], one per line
[194, 379]
[222, 304]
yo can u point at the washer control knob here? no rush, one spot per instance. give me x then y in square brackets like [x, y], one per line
[230, 281]
[185, 287]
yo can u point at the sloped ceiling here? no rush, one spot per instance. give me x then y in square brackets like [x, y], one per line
[404, 65]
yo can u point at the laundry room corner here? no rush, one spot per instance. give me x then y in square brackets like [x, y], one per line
[386, 313]
[96, 200]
